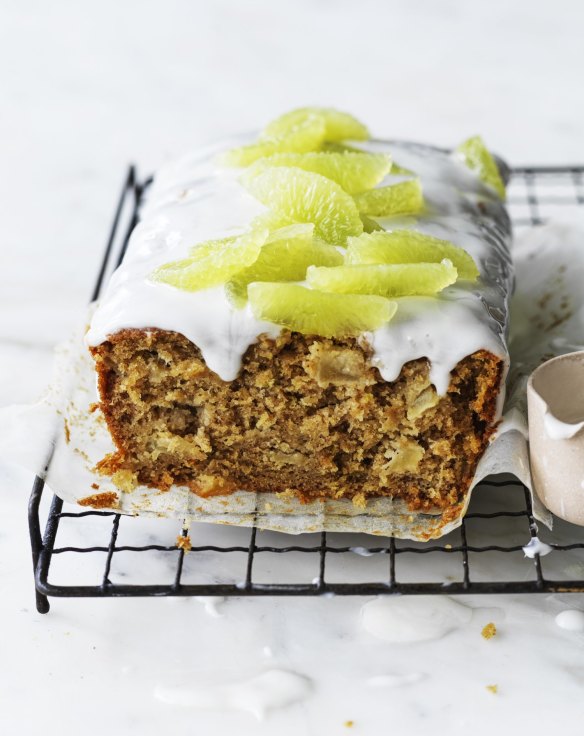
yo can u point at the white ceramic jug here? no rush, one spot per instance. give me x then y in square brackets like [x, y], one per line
[555, 402]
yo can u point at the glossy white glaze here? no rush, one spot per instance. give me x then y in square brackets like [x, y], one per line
[392, 681]
[413, 618]
[536, 547]
[556, 429]
[571, 620]
[257, 695]
[194, 199]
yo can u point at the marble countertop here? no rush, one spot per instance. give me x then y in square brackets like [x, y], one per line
[85, 91]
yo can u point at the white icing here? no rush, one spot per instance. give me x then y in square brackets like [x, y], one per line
[361, 551]
[537, 547]
[443, 330]
[393, 681]
[555, 429]
[211, 604]
[257, 695]
[513, 420]
[193, 199]
[571, 620]
[413, 618]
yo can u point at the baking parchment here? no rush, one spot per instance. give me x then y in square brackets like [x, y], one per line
[61, 432]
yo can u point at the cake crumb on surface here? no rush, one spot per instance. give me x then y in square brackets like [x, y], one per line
[108, 500]
[489, 631]
[349, 724]
[492, 689]
[184, 543]
[67, 431]
[95, 486]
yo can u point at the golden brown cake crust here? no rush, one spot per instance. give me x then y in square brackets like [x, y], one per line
[306, 415]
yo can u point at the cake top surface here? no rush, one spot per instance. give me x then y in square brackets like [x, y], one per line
[196, 199]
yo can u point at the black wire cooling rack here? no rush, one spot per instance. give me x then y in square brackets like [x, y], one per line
[485, 555]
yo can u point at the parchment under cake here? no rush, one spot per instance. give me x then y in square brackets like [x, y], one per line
[201, 391]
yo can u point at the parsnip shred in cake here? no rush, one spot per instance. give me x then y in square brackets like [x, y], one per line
[199, 388]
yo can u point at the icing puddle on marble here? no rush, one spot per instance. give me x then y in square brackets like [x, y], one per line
[571, 620]
[257, 695]
[211, 604]
[393, 681]
[412, 619]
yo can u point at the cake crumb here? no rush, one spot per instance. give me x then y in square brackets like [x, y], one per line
[125, 480]
[349, 724]
[95, 486]
[492, 689]
[489, 631]
[67, 431]
[184, 543]
[107, 500]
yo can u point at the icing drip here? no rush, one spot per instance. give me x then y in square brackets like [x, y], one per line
[192, 200]
[555, 429]
[571, 620]
[413, 618]
[258, 695]
[536, 547]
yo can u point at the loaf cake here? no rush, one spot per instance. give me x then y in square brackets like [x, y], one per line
[311, 313]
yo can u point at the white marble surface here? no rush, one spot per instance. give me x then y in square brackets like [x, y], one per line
[85, 89]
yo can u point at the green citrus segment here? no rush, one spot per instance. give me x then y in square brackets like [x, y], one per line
[409, 246]
[208, 247]
[478, 158]
[338, 125]
[338, 147]
[316, 313]
[354, 172]
[284, 257]
[302, 196]
[305, 136]
[404, 198]
[301, 231]
[215, 263]
[369, 225]
[271, 221]
[409, 279]
[401, 170]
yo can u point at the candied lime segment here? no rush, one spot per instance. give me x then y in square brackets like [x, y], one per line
[214, 262]
[284, 257]
[409, 246]
[400, 170]
[370, 225]
[404, 198]
[302, 196]
[338, 147]
[477, 157]
[338, 125]
[271, 221]
[306, 135]
[409, 279]
[207, 248]
[316, 313]
[354, 172]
